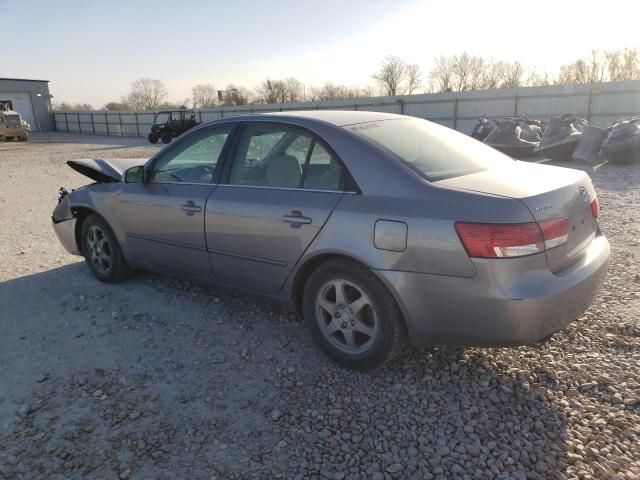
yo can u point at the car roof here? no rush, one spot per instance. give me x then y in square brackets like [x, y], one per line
[338, 118]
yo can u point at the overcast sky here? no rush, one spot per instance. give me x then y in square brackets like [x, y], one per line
[91, 51]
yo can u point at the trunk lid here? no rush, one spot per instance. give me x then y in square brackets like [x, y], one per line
[103, 170]
[548, 192]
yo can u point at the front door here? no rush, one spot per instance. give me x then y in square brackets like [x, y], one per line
[164, 217]
[283, 185]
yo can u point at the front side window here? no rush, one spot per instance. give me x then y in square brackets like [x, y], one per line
[193, 160]
[284, 157]
[162, 117]
[433, 151]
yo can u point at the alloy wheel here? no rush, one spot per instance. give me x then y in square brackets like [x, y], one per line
[346, 316]
[99, 250]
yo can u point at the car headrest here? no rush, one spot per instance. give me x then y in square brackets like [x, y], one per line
[284, 171]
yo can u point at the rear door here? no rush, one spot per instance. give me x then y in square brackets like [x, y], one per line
[163, 218]
[283, 183]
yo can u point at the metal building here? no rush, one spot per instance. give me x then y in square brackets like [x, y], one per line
[31, 99]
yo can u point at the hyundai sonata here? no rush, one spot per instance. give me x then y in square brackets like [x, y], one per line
[378, 229]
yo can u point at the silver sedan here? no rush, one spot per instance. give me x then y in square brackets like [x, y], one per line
[378, 229]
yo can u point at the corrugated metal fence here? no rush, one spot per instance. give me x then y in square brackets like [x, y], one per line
[601, 103]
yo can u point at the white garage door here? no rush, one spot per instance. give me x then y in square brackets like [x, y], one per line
[21, 104]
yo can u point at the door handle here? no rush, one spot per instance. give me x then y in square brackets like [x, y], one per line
[296, 218]
[190, 207]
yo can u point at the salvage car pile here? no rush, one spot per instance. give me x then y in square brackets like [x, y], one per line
[563, 138]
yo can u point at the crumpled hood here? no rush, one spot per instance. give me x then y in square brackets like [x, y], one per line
[103, 170]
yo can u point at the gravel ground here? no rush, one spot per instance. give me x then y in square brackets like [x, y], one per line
[158, 378]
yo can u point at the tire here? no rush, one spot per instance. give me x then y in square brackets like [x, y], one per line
[166, 137]
[361, 339]
[102, 252]
[23, 138]
[153, 137]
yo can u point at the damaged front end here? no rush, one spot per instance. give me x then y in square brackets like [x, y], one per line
[64, 223]
[70, 204]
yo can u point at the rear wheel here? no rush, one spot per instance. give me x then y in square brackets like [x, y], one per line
[352, 316]
[153, 137]
[22, 138]
[166, 137]
[102, 252]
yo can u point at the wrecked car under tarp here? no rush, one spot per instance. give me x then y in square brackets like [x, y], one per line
[515, 136]
[560, 138]
[622, 144]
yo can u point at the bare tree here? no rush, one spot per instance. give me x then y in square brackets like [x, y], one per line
[332, 91]
[631, 64]
[294, 90]
[511, 75]
[623, 64]
[235, 96]
[328, 91]
[584, 71]
[116, 106]
[467, 72]
[204, 95]
[280, 91]
[441, 76]
[368, 91]
[413, 77]
[146, 94]
[597, 67]
[76, 107]
[493, 75]
[460, 73]
[267, 91]
[391, 75]
[534, 79]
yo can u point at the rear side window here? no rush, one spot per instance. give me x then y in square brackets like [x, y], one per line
[324, 172]
[431, 150]
[283, 157]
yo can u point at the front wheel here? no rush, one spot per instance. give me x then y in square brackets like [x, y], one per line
[23, 138]
[153, 137]
[352, 316]
[102, 252]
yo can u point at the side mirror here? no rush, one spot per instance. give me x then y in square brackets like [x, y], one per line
[134, 175]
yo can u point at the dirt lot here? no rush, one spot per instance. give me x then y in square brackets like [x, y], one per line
[157, 378]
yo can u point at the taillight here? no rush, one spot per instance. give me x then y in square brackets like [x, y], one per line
[500, 240]
[595, 208]
[487, 240]
[555, 232]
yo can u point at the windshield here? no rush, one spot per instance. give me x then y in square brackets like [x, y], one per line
[433, 151]
[13, 121]
[162, 117]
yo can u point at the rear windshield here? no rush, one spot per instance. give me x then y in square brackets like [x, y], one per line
[431, 150]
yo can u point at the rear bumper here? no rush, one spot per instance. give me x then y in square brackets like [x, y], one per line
[66, 233]
[500, 306]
